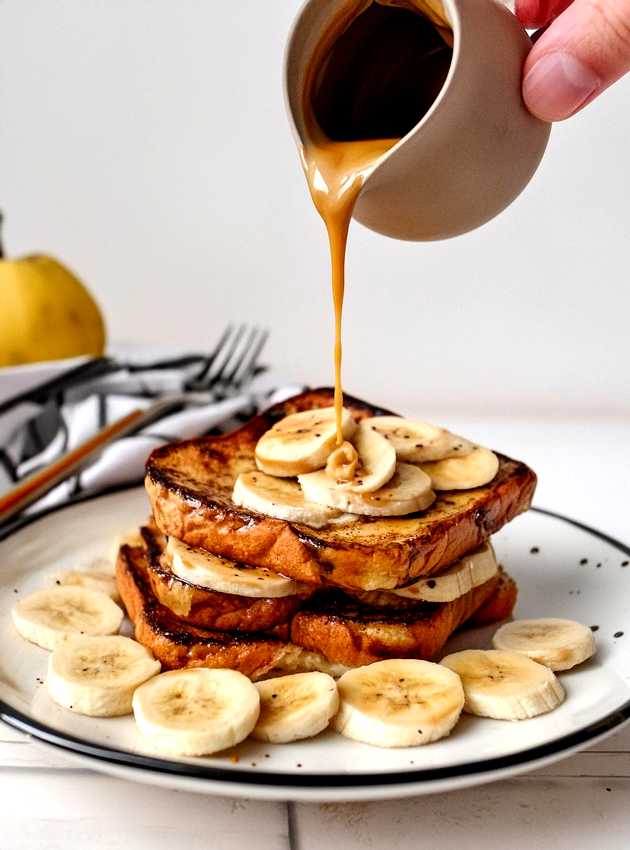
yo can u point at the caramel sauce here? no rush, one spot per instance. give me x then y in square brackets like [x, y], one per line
[374, 74]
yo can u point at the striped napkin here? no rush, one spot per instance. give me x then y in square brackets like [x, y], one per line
[34, 433]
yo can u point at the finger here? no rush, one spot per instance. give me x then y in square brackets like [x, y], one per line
[585, 50]
[536, 13]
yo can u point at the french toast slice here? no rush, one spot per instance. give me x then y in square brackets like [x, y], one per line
[178, 644]
[334, 632]
[190, 488]
[348, 632]
[499, 606]
[211, 609]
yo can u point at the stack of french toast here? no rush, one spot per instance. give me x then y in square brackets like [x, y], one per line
[276, 549]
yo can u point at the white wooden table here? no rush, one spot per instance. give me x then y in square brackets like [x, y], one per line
[582, 802]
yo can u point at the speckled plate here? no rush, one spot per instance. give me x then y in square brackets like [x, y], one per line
[563, 568]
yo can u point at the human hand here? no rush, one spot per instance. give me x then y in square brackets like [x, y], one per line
[585, 49]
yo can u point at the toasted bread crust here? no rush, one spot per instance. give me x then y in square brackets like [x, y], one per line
[210, 609]
[333, 635]
[499, 606]
[177, 644]
[190, 485]
[347, 632]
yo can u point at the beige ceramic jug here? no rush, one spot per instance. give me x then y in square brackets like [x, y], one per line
[476, 147]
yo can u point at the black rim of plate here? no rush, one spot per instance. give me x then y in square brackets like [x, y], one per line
[305, 780]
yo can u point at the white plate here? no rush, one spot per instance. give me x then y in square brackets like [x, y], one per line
[552, 582]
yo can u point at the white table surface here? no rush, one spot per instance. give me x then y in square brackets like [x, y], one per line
[579, 803]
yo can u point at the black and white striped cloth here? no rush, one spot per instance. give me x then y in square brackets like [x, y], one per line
[35, 433]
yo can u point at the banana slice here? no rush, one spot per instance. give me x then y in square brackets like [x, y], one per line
[505, 685]
[295, 707]
[418, 442]
[558, 644]
[470, 571]
[463, 473]
[280, 498]
[215, 573]
[376, 462]
[47, 616]
[405, 493]
[196, 711]
[98, 675]
[398, 703]
[105, 582]
[131, 537]
[301, 442]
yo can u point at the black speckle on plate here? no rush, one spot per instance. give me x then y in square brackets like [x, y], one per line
[618, 634]
[534, 550]
[594, 628]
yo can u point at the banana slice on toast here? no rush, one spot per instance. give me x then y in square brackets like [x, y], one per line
[204, 569]
[470, 571]
[301, 442]
[280, 498]
[419, 442]
[463, 473]
[408, 491]
[376, 463]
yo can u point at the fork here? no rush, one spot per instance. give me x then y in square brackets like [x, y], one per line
[240, 349]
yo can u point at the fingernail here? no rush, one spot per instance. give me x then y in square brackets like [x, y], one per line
[558, 84]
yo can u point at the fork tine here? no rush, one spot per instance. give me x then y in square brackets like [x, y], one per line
[250, 366]
[238, 362]
[210, 359]
[233, 345]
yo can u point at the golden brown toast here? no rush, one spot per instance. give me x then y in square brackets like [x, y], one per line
[178, 644]
[348, 632]
[190, 488]
[210, 609]
[499, 606]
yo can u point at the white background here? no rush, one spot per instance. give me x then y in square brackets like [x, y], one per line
[145, 144]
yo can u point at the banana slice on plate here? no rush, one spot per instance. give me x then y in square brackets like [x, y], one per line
[131, 537]
[295, 707]
[418, 442]
[98, 675]
[558, 644]
[505, 685]
[47, 616]
[463, 473]
[301, 442]
[204, 569]
[470, 571]
[93, 580]
[196, 711]
[407, 492]
[280, 498]
[376, 463]
[398, 703]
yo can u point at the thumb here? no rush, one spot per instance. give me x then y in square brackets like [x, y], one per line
[584, 50]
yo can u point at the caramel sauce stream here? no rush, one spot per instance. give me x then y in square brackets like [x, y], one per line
[336, 170]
